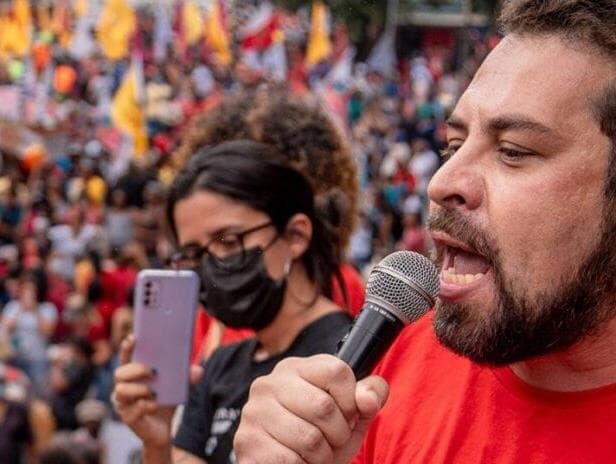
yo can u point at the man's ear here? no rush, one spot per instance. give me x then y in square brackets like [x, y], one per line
[298, 234]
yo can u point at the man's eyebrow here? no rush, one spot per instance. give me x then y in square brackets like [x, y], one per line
[515, 122]
[503, 123]
[456, 123]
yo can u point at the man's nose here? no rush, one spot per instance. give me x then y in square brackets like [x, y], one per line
[458, 183]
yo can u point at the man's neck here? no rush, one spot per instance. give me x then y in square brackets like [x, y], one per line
[587, 365]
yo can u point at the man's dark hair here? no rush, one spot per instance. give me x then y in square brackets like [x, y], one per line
[586, 24]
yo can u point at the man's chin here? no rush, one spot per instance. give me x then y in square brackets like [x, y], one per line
[459, 330]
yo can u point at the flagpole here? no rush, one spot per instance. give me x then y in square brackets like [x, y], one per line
[383, 54]
[391, 21]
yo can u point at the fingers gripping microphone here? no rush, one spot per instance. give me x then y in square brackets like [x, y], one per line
[400, 290]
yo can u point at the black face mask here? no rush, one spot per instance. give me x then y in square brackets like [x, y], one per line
[246, 297]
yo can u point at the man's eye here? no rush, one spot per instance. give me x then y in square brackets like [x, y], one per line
[511, 155]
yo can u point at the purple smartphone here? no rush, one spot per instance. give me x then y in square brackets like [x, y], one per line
[165, 303]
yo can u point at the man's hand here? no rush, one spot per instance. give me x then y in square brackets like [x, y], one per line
[308, 410]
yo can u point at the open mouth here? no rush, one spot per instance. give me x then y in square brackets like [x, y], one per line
[461, 266]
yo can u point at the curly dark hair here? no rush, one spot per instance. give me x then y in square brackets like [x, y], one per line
[220, 124]
[302, 131]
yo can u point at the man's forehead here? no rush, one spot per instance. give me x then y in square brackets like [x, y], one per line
[538, 55]
[540, 76]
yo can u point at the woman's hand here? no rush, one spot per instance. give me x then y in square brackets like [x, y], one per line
[136, 403]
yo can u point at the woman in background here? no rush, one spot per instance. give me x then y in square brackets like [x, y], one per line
[246, 220]
[310, 142]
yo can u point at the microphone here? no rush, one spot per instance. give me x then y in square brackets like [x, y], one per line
[400, 290]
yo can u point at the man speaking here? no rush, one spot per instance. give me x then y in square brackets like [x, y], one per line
[517, 362]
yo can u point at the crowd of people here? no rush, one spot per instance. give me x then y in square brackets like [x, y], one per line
[80, 215]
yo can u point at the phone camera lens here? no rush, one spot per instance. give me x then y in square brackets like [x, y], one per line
[147, 301]
[148, 284]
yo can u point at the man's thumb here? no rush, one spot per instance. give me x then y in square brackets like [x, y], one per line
[370, 396]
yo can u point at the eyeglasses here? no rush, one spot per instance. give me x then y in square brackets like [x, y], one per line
[226, 250]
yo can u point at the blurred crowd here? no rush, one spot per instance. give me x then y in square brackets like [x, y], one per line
[80, 215]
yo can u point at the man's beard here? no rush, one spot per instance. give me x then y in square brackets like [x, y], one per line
[519, 327]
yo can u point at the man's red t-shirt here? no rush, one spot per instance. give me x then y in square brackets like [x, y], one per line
[443, 408]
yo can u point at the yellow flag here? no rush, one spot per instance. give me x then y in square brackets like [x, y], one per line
[192, 22]
[22, 13]
[216, 35]
[115, 29]
[319, 44]
[5, 48]
[16, 30]
[127, 110]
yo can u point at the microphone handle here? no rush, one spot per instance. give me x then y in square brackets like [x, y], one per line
[371, 335]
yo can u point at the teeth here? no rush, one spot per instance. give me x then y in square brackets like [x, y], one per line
[450, 275]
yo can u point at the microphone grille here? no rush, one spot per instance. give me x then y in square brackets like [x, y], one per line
[407, 282]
